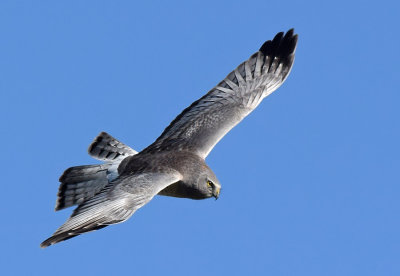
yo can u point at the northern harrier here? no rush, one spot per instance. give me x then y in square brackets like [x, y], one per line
[174, 165]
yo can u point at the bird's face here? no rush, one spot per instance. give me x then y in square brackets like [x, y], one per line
[209, 185]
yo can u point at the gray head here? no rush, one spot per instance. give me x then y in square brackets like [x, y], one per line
[206, 183]
[199, 181]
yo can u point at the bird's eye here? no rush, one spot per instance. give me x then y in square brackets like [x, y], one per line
[209, 183]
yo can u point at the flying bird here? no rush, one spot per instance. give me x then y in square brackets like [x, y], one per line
[174, 165]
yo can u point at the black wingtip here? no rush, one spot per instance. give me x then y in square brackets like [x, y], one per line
[63, 236]
[57, 238]
[281, 46]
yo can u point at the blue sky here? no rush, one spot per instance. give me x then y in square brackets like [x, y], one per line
[310, 179]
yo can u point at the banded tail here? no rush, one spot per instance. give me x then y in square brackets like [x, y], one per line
[81, 183]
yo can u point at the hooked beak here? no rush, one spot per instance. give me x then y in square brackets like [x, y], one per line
[216, 194]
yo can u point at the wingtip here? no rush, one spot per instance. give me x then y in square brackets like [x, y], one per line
[290, 33]
[293, 42]
[282, 44]
[278, 37]
[45, 244]
[60, 237]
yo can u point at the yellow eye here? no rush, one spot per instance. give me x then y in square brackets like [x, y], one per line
[209, 183]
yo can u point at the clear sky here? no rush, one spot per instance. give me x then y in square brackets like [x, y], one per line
[310, 179]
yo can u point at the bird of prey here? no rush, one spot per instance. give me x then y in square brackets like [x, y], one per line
[174, 165]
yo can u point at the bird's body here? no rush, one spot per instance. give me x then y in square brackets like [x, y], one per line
[174, 165]
[184, 162]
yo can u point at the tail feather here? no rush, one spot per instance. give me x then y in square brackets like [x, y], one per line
[83, 182]
[106, 148]
[80, 183]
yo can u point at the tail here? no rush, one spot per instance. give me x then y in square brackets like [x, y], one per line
[106, 148]
[83, 182]
[86, 186]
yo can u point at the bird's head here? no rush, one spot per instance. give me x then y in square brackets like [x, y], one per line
[208, 183]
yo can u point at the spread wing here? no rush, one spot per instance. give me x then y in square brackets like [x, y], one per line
[200, 126]
[114, 204]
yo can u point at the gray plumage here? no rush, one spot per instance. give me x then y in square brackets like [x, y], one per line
[107, 148]
[83, 182]
[174, 165]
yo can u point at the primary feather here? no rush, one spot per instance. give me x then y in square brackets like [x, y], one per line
[200, 126]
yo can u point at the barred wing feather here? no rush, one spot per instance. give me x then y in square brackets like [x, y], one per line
[200, 126]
